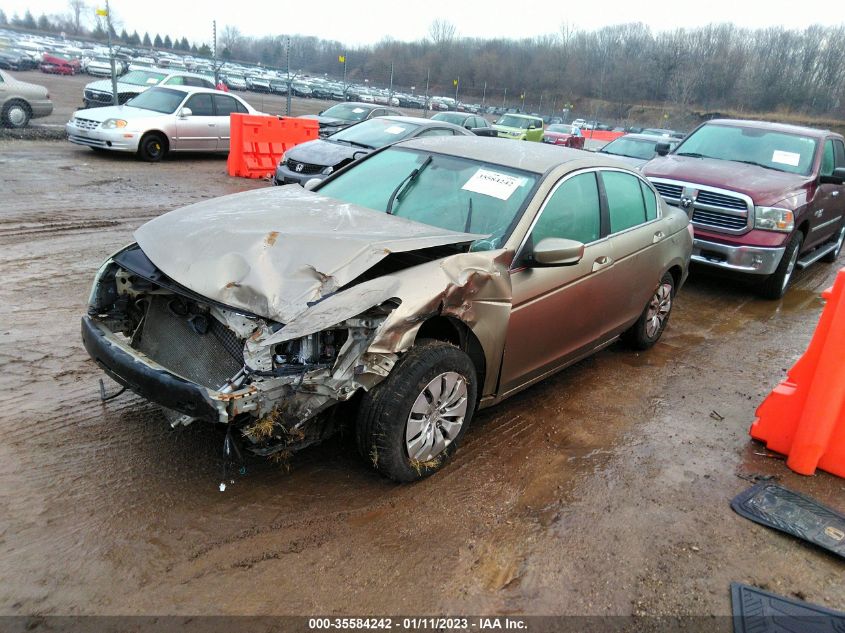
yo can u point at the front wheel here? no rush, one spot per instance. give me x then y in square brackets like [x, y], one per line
[775, 285]
[409, 425]
[152, 147]
[649, 327]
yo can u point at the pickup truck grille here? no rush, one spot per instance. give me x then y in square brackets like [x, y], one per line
[719, 220]
[711, 208]
[713, 199]
[668, 190]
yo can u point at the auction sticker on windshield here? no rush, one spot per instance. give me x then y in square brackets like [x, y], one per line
[395, 129]
[358, 110]
[493, 184]
[786, 158]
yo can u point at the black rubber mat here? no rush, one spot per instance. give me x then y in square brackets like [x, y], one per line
[758, 611]
[793, 513]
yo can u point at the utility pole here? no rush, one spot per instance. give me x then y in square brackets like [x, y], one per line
[214, 53]
[390, 90]
[484, 95]
[522, 109]
[115, 99]
[345, 87]
[541, 104]
[290, 81]
[457, 85]
[425, 103]
[504, 96]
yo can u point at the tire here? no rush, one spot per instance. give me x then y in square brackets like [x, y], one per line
[152, 147]
[834, 254]
[652, 322]
[775, 284]
[16, 114]
[400, 430]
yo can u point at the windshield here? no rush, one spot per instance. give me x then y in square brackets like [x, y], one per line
[509, 120]
[346, 112]
[560, 129]
[375, 132]
[449, 192]
[142, 78]
[450, 117]
[791, 153]
[631, 147]
[164, 100]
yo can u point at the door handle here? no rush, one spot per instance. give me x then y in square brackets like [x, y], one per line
[659, 235]
[602, 262]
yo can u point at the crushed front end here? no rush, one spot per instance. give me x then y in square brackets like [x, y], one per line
[207, 361]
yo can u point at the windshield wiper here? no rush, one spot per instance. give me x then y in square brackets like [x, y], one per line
[691, 154]
[353, 143]
[751, 162]
[407, 181]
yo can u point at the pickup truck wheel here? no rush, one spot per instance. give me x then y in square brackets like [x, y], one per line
[775, 285]
[15, 114]
[649, 327]
[832, 255]
[411, 423]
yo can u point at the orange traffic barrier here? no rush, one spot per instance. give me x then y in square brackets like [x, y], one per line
[601, 135]
[257, 142]
[804, 417]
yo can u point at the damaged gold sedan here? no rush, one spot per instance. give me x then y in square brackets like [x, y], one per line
[431, 279]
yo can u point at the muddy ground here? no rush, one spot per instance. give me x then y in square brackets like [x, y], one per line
[603, 490]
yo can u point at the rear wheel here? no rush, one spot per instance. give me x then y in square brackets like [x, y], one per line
[16, 114]
[840, 238]
[649, 327]
[775, 285]
[152, 147]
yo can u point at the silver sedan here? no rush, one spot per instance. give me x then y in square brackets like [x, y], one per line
[160, 120]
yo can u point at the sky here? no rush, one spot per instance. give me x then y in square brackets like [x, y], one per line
[367, 22]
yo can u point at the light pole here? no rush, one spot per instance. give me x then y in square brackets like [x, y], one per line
[457, 85]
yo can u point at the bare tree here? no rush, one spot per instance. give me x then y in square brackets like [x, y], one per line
[442, 32]
[77, 9]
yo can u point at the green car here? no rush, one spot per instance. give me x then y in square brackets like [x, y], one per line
[521, 127]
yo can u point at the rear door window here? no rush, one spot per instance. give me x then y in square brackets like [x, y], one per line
[624, 200]
[226, 105]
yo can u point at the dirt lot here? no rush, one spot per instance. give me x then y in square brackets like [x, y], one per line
[603, 490]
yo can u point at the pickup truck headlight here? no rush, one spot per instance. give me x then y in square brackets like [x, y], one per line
[112, 124]
[774, 219]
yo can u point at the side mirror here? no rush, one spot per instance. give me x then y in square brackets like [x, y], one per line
[836, 178]
[662, 149]
[557, 251]
[531, 126]
[184, 113]
[320, 113]
[311, 184]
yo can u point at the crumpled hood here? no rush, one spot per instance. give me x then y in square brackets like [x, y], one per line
[276, 251]
[763, 186]
[320, 152]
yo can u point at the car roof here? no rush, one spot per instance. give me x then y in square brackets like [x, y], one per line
[523, 116]
[423, 122]
[534, 157]
[651, 138]
[196, 89]
[775, 127]
[361, 104]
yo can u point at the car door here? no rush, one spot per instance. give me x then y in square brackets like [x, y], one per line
[224, 105]
[535, 134]
[828, 204]
[636, 233]
[197, 132]
[559, 312]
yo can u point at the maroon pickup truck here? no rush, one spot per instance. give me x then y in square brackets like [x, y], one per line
[763, 198]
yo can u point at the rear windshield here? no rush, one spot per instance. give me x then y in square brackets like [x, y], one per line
[780, 151]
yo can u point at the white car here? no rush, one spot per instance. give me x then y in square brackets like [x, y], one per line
[133, 83]
[101, 67]
[160, 120]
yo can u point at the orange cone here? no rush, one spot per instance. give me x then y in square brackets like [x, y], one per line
[804, 416]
